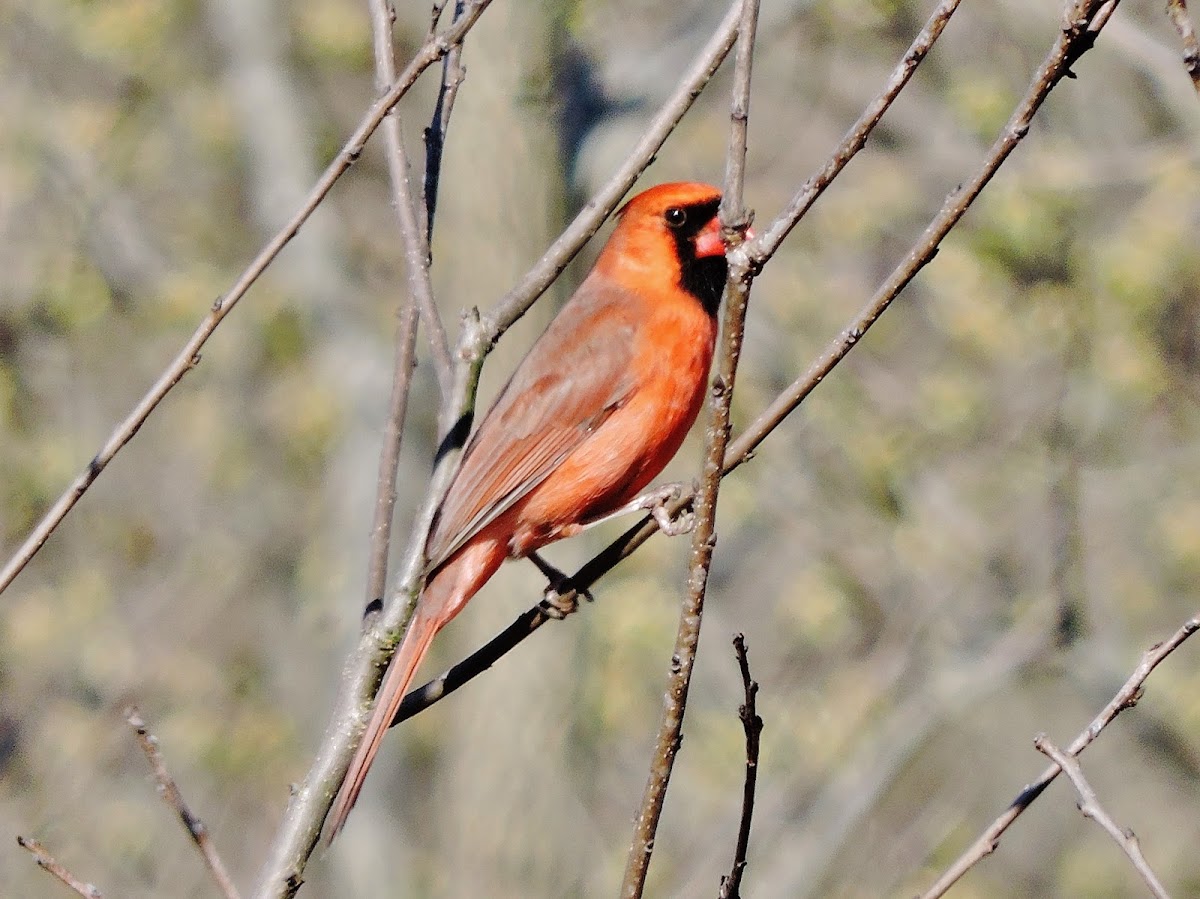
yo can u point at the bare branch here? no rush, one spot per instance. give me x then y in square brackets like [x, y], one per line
[856, 137]
[430, 52]
[1178, 11]
[1090, 805]
[420, 293]
[48, 862]
[1126, 698]
[734, 220]
[413, 238]
[753, 725]
[169, 790]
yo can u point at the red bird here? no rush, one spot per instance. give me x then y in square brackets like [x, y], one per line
[592, 414]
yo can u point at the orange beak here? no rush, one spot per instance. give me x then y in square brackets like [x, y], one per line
[709, 241]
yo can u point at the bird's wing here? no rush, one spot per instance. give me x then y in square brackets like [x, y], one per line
[574, 377]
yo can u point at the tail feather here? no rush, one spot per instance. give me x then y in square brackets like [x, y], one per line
[399, 675]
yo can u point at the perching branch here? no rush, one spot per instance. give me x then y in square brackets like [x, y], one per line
[49, 863]
[1090, 806]
[169, 790]
[430, 52]
[1126, 698]
[734, 222]
[752, 724]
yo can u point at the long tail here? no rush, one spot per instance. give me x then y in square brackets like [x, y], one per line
[408, 657]
[450, 588]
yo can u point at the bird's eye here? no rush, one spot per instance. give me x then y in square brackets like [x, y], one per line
[676, 217]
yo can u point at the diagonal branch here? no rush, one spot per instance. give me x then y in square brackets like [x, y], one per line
[55, 868]
[1126, 698]
[172, 796]
[734, 221]
[1090, 805]
[433, 49]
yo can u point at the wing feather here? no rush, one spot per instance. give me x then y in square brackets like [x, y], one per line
[574, 377]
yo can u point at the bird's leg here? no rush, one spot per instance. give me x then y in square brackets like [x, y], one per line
[562, 596]
[655, 501]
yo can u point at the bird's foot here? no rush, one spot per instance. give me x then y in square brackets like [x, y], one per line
[657, 503]
[562, 596]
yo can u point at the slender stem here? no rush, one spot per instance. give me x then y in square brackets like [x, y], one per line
[453, 73]
[752, 724]
[173, 797]
[57, 869]
[737, 294]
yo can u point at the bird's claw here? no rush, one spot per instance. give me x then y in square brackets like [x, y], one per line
[558, 605]
[562, 596]
[656, 502]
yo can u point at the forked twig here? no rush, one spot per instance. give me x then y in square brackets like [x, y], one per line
[1090, 806]
[1126, 698]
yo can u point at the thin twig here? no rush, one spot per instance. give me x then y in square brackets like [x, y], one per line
[453, 73]
[420, 294]
[169, 790]
[1090, 806]
[734, 220]
[414, 239]
[856, 137]
[1126, 698]
[48, 862]
[429, 53]
[743, 447]
[1178, 11]
[752, 724]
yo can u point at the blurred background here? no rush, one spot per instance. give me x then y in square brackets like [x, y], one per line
[966, 536]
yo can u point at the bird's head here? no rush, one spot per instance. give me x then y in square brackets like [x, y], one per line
[669, 237]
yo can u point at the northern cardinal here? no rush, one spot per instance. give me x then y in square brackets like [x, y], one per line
[594, 412]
